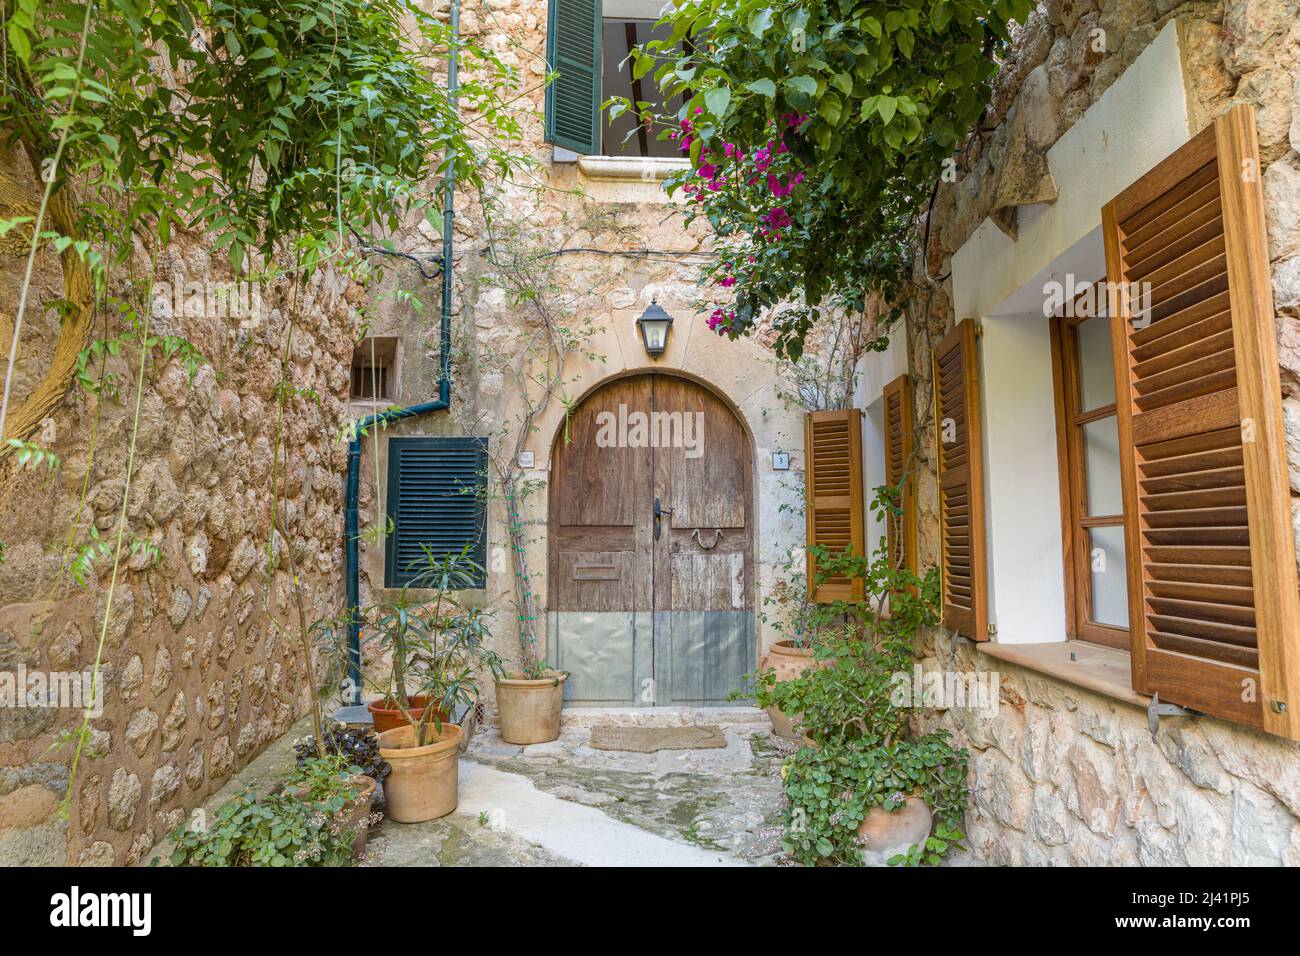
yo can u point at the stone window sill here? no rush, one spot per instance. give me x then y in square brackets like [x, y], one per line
[648, 169]
[1103, 670]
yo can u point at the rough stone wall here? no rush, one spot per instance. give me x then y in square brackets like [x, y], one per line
[557, 206]
[199, 671]
[1063, 775]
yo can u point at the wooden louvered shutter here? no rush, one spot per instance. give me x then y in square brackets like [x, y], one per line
[433, 501]
[573, 98]
[1214, 608]
[833, 489]
[900, 530]
[961, 483]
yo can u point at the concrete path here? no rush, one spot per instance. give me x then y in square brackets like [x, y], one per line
[582, 834]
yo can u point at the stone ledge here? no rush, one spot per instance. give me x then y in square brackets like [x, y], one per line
[1104, 670]
[650, 169]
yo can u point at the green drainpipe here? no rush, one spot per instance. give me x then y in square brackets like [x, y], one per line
[352, 488]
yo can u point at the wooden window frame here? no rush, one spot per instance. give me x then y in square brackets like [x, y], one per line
[1076, 523]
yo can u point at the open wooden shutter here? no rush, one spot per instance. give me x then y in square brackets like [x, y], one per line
[833, 487]
[1214, 608]
[900, 533]
[961, 483]
[573, 51]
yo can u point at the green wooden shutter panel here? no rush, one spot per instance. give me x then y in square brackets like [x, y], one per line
[433, 501]
[573, 51]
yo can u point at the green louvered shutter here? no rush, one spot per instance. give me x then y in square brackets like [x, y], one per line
[434, 500]
[573, 51]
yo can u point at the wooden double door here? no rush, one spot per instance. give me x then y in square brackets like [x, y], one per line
[651, 546]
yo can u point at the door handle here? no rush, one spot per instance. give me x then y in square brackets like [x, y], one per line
[659, 512]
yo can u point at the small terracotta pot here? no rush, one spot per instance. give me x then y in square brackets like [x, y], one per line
[355, 814]
[885, 833]
[388, 718]
[789, 662]
[530, 709]
[422, 785]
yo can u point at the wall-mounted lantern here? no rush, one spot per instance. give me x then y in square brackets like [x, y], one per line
[654, 324]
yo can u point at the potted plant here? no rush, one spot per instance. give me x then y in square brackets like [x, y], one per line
[865, 788]
[529, 702]
[788, 657]
[319, 817]
[530, 698]
[343, 789]
[359, 746]
[435, 648]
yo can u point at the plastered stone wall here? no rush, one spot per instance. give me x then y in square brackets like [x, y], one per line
[558, 208]
[1063, 775]
[200, 666]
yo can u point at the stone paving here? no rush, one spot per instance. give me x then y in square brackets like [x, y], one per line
[563, 803]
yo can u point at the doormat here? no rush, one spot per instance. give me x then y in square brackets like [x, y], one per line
[646, 740]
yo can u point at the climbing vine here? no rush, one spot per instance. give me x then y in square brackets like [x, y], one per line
[286, 132]
[557, 329]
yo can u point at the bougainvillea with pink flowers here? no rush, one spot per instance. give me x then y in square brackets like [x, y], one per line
[817, 131]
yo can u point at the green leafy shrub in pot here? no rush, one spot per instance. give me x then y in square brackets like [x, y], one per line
[294, 826]
[863, 755]
[359, 746]
[830, 789]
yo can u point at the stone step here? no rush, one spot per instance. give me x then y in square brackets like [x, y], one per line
[575, 717]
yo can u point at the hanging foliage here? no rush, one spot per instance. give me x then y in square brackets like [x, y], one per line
[257, 121]
[816, 130]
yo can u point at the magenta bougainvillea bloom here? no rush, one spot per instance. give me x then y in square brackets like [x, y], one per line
[766, 181]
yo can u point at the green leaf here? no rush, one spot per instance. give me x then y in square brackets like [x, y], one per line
[717, 100]
[886, 106]
[763, 86]
[760, 21]
[804, 84]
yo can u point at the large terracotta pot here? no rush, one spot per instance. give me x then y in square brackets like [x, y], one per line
[789, 662]
[422, 785]
[388, 718]
[530, 709]
[885, 833]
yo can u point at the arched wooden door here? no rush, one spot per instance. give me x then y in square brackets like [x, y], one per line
[651, 546]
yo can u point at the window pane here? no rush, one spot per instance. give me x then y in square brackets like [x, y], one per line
[1109, 584]
[1101, 467]
[616, 80]
[1096, 365]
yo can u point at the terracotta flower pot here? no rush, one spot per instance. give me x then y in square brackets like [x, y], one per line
[388, 718]
[530, 709]
[885, 833]
[422, 785]
[353, 815]
[789, 662]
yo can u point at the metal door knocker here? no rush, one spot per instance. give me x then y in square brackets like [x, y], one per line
[717, 536]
